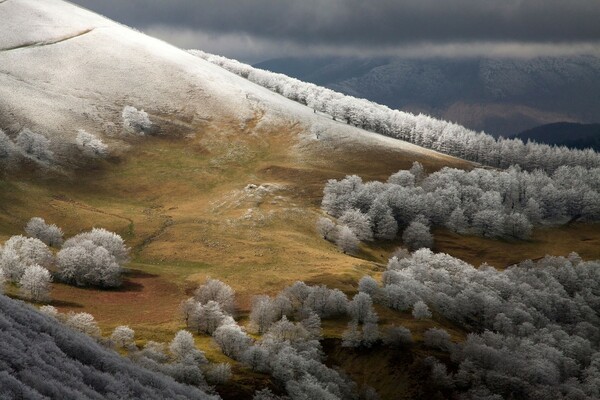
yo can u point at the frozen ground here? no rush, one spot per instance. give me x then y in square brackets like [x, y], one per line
[63, 68]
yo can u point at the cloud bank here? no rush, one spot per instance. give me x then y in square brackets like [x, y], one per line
[253, 29]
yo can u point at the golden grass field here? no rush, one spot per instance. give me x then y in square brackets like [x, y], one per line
[184, 207]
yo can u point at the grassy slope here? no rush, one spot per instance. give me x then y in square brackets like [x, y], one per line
[182, 206]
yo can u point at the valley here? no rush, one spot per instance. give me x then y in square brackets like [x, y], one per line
[265, 238]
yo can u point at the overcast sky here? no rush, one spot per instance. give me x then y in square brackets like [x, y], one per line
[256, 30]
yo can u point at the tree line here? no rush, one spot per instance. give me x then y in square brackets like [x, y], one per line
[422, 130]
[489, 203]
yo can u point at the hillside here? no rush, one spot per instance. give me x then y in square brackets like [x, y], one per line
[61, 363]
[227, 183]
[568, 134]
[183, 197]
[499, 96]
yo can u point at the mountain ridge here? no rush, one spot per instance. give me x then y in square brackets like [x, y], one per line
[568, 134]
[499, 96]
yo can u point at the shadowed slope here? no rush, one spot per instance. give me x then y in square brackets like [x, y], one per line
[40, 358]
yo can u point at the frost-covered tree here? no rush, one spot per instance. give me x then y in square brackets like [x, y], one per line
[218, 374]
[346, 240]
[93, 258]
[370, 334]
[217, 291]
[286, 330]
[205, 318]
[19, 252]
[267, 394]
[457, 222]
[337, 303]
[136, 121]
[368, 285]
[352, 337]
[312, 324]
[90, 144]
[232, 340]
[403, 178]
[361, 307]
[418, 171]
[326, 229]
[317, 299]
[339, 196]
[421, 311]
[35, 146]
[400, 253]
[591, 205]
[398, 336]
[85, 263]
[51, 235]
[122, 336]
[439, 375]
[517, 225]
[155, 351]
[8, 150]
[50, 311]
[184, 348]
[111, 241]
[263, 314]
[385, 226]
[489, 223]
[35, 283]
[358, 223]
[83, 322]
[417, 235]
[437, 338]
[533, 211]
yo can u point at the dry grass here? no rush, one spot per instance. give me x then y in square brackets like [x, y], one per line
[183, 207]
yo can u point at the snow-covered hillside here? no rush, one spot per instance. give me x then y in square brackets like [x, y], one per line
[63, 68]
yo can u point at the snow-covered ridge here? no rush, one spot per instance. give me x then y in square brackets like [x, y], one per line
[65, 69]
[422, 130]
[39, 22]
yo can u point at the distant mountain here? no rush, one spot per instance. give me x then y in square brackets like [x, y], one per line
[500, 96]
[565, 133]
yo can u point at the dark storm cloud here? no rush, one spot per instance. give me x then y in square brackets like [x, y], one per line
[366, 24]
[374, 21]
